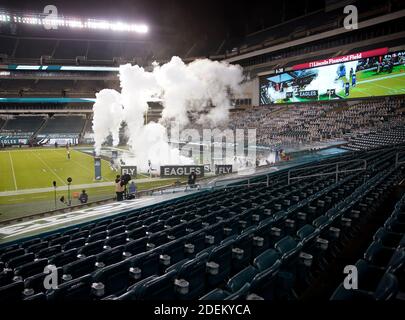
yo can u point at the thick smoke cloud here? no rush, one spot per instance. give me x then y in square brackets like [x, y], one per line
[183, 89]
[107, 117]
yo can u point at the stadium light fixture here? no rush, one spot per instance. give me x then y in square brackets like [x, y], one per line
[72, 23]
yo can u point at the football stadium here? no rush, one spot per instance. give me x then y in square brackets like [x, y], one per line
[200, 151]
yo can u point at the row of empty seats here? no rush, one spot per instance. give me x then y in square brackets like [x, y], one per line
[44, 126]
[23, 124]
[377, 138]
[72, 124]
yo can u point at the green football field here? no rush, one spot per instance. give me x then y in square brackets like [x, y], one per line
[37, 168]
[369, 83]
[26, 177]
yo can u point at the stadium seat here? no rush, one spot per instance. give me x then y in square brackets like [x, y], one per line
[193, 272]
[136, 233]
[64, 257]
[60, 240]
[20, 260]
[91, 248]
[34, 248]
[30, 268]
[71, 232]
[386, 289]
[12, 254]
[387, 238]
[74, 244]
[79, 268]
[243, 249]
[74, 290]
[41, 297]
[132, 291]
[110, 256]
[97, 236]
[9, 248]
[145, 265]
[35, 284]
[220, 294]
[116, 231]
[50, 251]
[115, 278]
[11, 292]
[219, 264]
[156, 239]
[116, 240]
[135, 246]
[244, 276]
[158, 288]
[28, 243]
[268, 265]
[80, 235]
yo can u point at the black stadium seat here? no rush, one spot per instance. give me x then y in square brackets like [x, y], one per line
[11, 292]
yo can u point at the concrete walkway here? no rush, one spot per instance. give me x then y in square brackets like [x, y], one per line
[76, 186]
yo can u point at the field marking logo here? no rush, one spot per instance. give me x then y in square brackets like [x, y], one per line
[351, 280]
[350, 22]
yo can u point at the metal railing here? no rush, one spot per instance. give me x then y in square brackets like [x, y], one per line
[335, 165]
[398, 161]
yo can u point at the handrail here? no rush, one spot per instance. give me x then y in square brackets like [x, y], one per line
[336, 172]
[78, 206]
[397, 161]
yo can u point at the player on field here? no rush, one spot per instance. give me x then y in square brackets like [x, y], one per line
[347, 89]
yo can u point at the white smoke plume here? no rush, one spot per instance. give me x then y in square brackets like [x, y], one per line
[183, 88]
[107, 117]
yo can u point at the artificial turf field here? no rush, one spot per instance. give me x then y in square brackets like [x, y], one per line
[37, 168]
[369, 83]
[23, 169]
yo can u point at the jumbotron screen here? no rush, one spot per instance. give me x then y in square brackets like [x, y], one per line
[353, 76]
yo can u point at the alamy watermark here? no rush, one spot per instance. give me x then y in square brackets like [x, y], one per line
[216, 146]
[350, 22]
[351, 281]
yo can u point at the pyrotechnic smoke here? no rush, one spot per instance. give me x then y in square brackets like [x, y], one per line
[107, 117]
[183, 89]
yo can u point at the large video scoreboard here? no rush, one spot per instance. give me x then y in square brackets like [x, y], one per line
[365, 74]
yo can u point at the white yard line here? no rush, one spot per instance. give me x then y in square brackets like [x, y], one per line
[12, 169]
[50, 169]
[381, 78]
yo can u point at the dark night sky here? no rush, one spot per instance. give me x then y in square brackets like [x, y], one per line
[209, 18]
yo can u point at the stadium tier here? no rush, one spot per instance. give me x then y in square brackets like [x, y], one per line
[377, 138]
[27, 125]
[224, 244]
[63, 125]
